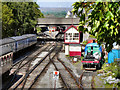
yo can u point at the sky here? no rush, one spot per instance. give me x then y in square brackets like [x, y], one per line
[55, 3]
[56, 0]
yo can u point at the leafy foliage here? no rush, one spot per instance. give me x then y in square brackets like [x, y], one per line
[55, 14]
[7, 20]
[38, 29]
[21, 16]
[103, 18]
[0, 19]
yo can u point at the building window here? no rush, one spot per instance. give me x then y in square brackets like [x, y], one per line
[72, 36]
[68, 36]
[75, 36]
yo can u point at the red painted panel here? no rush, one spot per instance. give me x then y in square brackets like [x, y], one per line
[70, 27]
[74, 53]
[91, 41]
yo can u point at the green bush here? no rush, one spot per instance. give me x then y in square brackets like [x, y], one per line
[106, 60]
[84, 42]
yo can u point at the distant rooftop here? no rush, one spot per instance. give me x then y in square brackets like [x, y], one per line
[59, 21]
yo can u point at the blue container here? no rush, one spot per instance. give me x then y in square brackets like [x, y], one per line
[114, 54]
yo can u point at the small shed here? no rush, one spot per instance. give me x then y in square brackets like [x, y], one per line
[114, 54]
[72, 41]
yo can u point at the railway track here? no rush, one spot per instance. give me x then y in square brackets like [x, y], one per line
[36, 83]
[35, 66]
[32, 71]
[67, 76]
[23, 64]
[87, 79]
[32, 54]
[76, 79]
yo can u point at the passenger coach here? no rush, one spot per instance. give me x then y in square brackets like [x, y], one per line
[11, 45]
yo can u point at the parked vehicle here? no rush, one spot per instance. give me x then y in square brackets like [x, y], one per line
[93, 57]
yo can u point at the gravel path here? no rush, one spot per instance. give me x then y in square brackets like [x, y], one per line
[98, 82]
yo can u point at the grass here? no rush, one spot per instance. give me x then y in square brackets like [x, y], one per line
[77, 63]
[82, 58]
[108, 85]
[112, 68]
[68, 56]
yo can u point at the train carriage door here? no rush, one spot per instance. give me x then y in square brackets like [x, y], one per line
[27, 41]
[8, 59]
[16, 44]
[5, 60]
[0, 62]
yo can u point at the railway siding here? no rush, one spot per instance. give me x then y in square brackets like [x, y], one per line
[46, 80]
[24, 70]
[65, 74]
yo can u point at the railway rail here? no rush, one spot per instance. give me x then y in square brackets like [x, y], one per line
[67, 76]
[87, 79]
[23, 64]
[51, 57]
[31, 70]
[34, 66]
[71, 73]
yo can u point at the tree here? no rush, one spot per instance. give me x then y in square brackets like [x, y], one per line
[7, 21]
[25, 16]
[38, 30]
[103, 18]
[0, 20]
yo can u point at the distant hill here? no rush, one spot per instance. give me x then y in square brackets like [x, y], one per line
[54, 12]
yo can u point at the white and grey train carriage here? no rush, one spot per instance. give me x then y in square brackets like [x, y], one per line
[6, 54]
[8, 46]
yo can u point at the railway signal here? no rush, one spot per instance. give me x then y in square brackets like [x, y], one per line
[56, 75]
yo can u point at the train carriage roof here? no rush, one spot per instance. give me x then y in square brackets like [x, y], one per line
[29, 35]
[17, 38]
[6, 40]
[92, 44]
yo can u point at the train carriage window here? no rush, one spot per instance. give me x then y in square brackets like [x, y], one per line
[8, 58]
[5, 60]
[2, 61]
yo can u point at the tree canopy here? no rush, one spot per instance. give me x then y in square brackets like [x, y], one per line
[19, 18]
[103, 18]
